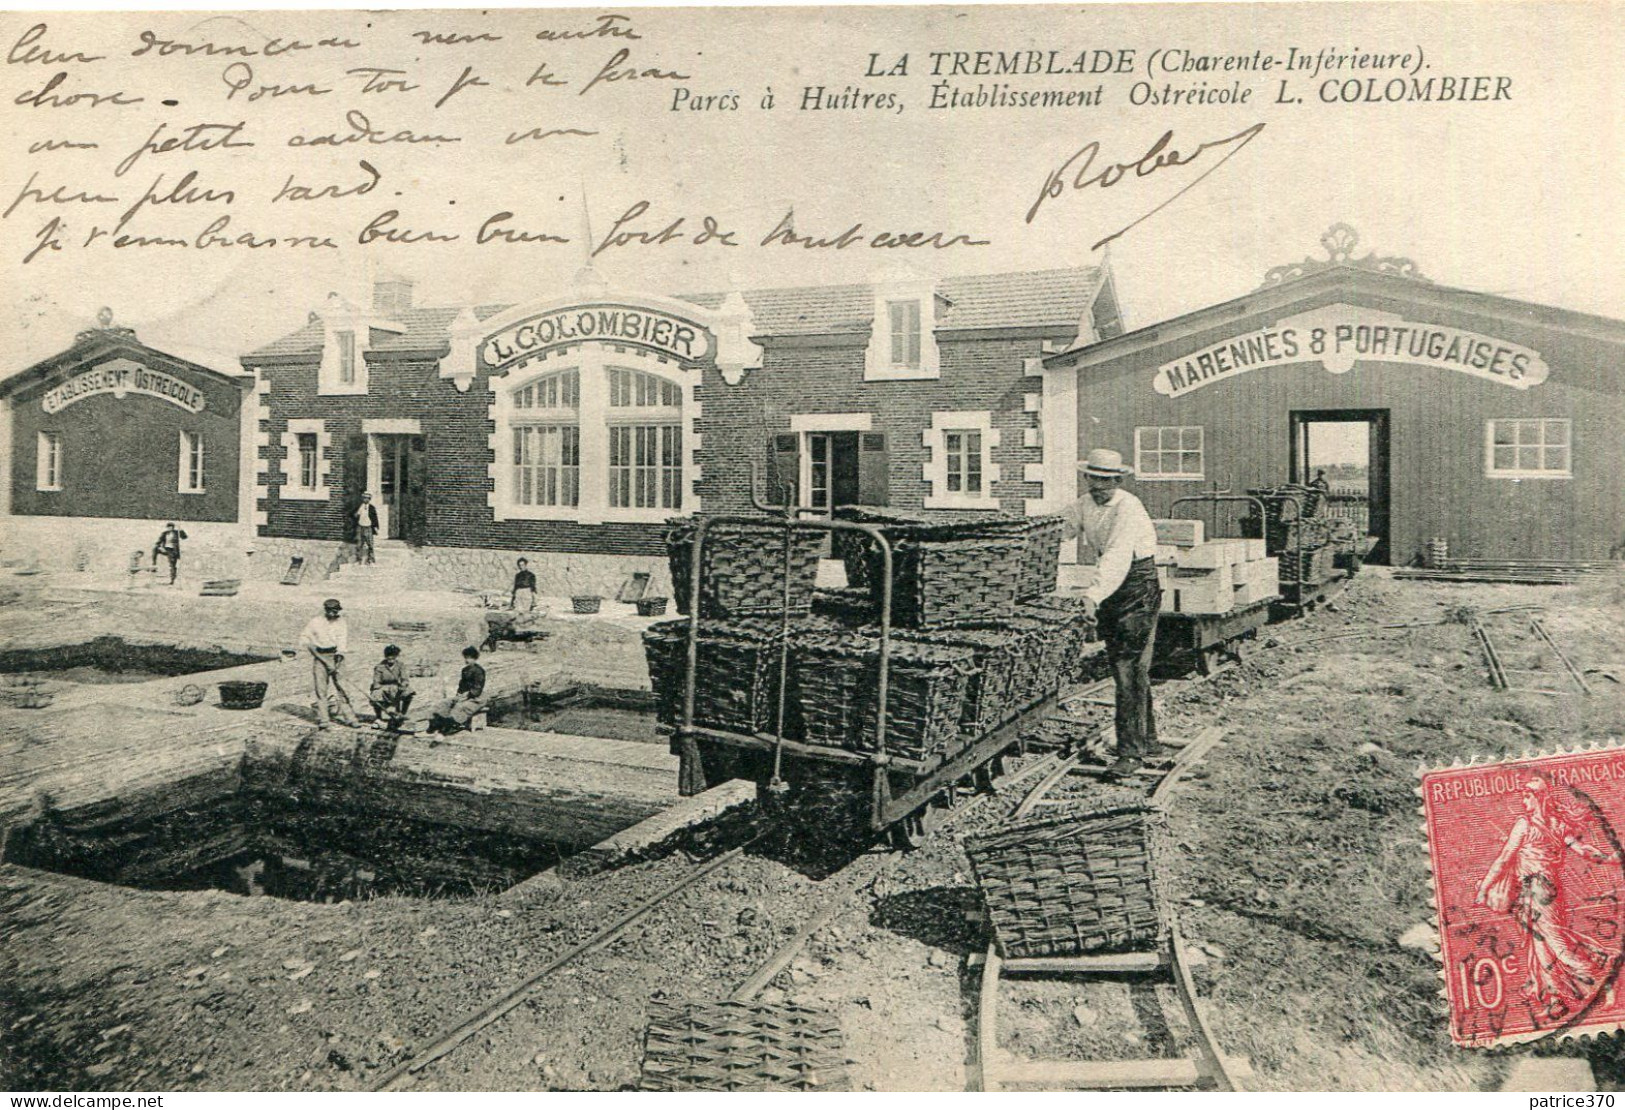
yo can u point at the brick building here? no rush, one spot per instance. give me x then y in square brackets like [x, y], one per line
[106, 441]
[572, 428]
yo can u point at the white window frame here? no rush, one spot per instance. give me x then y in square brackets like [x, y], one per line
[935, 470]
[293, 488]
[557, 417]
[191, 443]
[48, 462]
[1144, 474]
[595, 362]
[878, 365]
[1516, 474]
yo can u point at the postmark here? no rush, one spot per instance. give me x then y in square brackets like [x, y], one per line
[1529, 886]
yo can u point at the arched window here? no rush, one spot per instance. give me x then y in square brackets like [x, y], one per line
[546, 427]
[645, 418]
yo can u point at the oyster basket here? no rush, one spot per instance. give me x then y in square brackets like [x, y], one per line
[938, 583]
[987, 687]
[1081, 882]
[242, 695]
[743, 570]
[1038, 564]
[738, 1046]
[736, 676]
[836, 687]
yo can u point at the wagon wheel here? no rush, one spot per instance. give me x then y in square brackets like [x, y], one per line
[913, 831]
[982, 778]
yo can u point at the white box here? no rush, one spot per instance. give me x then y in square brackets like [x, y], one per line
[1211, 555]
[1167, 555]
[1178, 533]
[1203, 595]
[1256, 550]
[1223, 574]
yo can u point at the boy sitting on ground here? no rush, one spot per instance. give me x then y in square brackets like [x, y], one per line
[391, 693]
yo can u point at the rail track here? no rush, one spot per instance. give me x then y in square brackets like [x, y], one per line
[1519, 656]
[1205, 1064]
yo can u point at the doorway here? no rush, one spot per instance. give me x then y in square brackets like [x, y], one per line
[1346, 451]
[831, 478]
[389, 462]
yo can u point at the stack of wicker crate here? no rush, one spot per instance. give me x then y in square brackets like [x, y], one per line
[974, 638]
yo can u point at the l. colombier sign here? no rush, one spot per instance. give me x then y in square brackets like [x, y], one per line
[1337, 335]
[610, 323]
[121, 377]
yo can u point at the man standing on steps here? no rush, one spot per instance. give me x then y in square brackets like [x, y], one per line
[327, 638]
[1124, 599]
[366, 527]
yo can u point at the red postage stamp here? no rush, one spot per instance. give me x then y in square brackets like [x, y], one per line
[1530, 890]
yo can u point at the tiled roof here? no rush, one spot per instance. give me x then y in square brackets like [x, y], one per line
[1036, 298]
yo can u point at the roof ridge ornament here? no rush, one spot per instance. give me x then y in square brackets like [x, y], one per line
[104, 326]
[1339, 242]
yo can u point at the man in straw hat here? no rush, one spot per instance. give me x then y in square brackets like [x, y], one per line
[1125, 597]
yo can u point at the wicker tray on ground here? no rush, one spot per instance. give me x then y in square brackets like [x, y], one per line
[1079, 882]
[737, 1046]
[1038, 562]
[836, 686]
[736, 687]
[743, 571]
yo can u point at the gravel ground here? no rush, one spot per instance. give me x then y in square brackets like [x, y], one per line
[1298, 866]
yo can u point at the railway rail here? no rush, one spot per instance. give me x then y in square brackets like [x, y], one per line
[1532, 648]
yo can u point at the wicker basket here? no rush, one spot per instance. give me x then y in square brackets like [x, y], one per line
[836, 685]
[242, 695]
[1311, 568]
[939, 583]
[651, 606]
[1075, 635]
[1081, 882]
[736, 684]
[737, 1046]
[585, 603]
[987, 687]
[1038, 564]
[743, 573]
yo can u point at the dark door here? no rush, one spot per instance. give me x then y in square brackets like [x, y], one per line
[414, 490]
[874, 485]
[783, 469]
[844, 469]
[355, 480]
[1348, 450]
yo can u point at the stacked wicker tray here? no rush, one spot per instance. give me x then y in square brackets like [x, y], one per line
[973, 641]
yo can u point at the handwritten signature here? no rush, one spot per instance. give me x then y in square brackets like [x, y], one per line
[1162, 155]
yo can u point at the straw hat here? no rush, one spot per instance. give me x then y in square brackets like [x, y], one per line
[1104, 463]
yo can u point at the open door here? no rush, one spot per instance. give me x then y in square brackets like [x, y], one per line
[1346, 450]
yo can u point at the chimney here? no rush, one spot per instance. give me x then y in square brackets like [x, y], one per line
[391, 296]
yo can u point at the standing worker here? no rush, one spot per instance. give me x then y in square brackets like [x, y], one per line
[366, 527]
[169, 546]
[524, 589]
[1124, 599]
[327, 638]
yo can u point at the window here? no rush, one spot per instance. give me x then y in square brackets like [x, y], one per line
[547, 441]
[48, 475]
[1528, 449]
[191, 468]
[959, 466]
[963, 448]
[309, 460]
[1168, 454]
[645, 441]
[904, 317]
[346, 344]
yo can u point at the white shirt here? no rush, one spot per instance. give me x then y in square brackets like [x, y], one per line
[363, 515]
[1121, 531]
[323, 633]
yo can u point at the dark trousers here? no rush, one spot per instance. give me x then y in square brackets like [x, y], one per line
[1128, 625]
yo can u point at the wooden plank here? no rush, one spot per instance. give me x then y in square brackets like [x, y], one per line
[1114, 963]
[1099, 1075]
